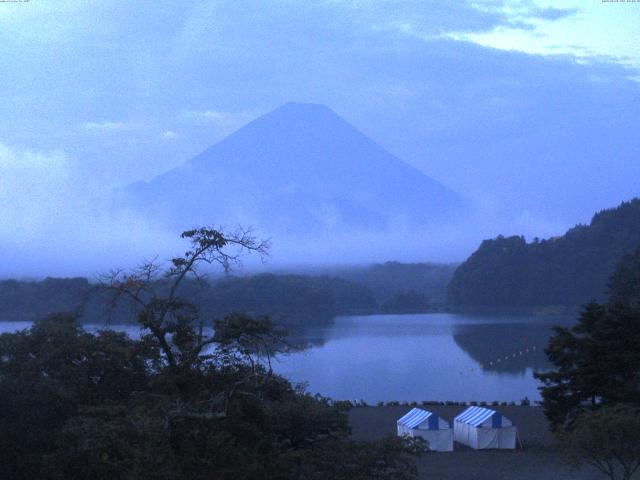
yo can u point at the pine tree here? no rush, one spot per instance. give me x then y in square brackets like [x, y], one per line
[598, 360]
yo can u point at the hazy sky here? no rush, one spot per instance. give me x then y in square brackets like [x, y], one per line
[527, 107]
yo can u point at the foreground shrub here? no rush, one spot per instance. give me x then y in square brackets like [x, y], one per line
[607, 439]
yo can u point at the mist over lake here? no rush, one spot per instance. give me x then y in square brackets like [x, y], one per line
[320, 240]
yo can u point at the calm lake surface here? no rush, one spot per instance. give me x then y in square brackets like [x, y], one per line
[415, 357]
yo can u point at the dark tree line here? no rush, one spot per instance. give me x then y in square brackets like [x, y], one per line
[293, 299]
[389, 279]
[408, 302]
[290, 299]
[29, 300]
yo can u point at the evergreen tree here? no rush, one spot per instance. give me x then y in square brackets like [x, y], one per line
[598, 360]
[508, 272]
[624, 284]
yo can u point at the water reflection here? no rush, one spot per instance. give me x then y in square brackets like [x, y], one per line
[425, 357]
[506, 347]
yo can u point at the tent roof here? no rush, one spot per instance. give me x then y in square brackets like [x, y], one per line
[475, 415]
[414, 418]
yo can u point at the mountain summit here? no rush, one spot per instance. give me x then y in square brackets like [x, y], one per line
[298, 170]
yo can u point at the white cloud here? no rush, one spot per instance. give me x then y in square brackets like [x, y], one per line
[109, 126]
[584, 30]
[169, 135]
[223, 121]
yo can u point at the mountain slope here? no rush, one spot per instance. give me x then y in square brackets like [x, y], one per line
[568, 270]
[300, 169]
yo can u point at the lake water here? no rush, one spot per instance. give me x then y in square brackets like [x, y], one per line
[416, 357]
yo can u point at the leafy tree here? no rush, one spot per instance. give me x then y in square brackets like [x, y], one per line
[179, 403]
[173, 325]
[47, 373]
[607, 439]
[251, 339]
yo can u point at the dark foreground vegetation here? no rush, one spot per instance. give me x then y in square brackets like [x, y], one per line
[564, 271]
[175, 404]
[592, 397]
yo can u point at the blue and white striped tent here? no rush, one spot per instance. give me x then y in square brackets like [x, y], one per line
[422, 423]
[480, 428]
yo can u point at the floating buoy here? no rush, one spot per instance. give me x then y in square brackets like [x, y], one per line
[507, 357]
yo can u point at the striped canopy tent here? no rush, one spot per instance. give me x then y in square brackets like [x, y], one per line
[422, 423]
[482, 428]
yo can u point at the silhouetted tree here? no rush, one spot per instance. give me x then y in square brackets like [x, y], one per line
[179, 403]
[174, 324]
[598, 360]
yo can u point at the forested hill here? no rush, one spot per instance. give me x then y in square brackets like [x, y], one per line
[568, 270]
[389, 279]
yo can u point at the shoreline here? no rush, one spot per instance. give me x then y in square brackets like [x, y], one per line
[376, 422]
[539, 458]
[525, 402]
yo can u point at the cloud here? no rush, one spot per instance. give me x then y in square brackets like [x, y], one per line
[551, 13]
[169, 135]
[54, 221]
[513, 10]
[436, 20]
[221, 120]
[33, 186]
[206, 116]
[587, 31]
[520, 102]
[110, 126]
